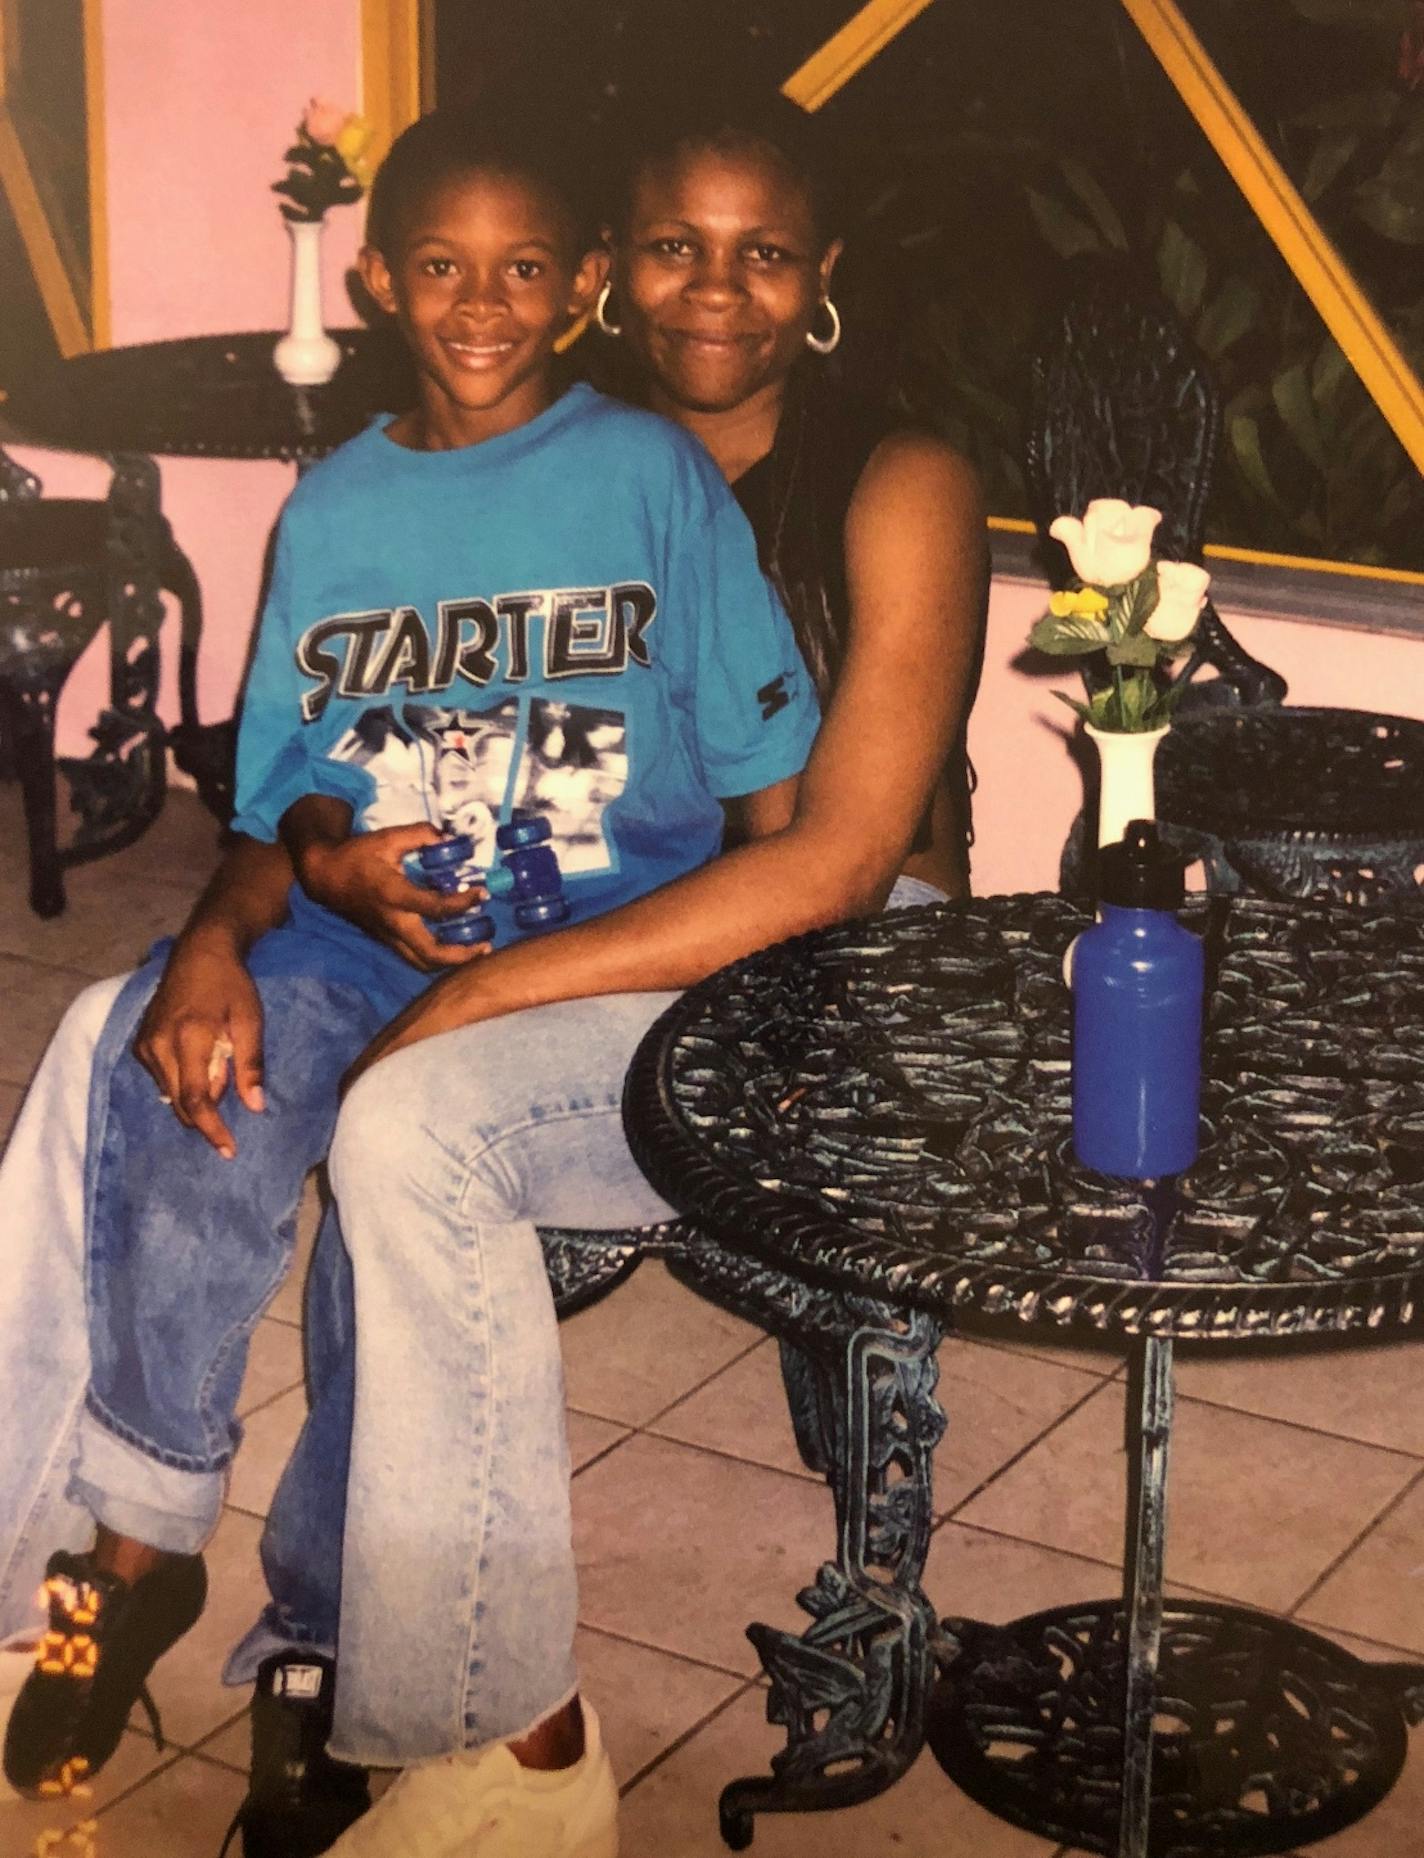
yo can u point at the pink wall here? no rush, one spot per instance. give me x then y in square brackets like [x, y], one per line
[1019, 737]
[200, 102]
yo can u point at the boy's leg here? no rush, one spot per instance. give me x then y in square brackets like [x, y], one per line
[301, 1544]
[458, 1596]
[44, 1344]
[185, 1251]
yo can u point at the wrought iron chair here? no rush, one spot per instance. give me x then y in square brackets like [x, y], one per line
[69, 567]
[1278, 801]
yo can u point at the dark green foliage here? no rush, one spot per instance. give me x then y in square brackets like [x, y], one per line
[316, 180]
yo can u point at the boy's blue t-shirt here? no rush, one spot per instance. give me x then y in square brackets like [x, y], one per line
[568, 619]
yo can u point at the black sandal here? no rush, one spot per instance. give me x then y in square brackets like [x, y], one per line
[92, 1666]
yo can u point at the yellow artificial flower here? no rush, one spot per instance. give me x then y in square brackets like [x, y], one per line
[352, 140]
[362, 172]
[1084, 603]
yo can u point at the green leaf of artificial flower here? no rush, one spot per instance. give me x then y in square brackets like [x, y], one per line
[1135, 649]
[1079, 709]
[1067, 638]
[1138, 604]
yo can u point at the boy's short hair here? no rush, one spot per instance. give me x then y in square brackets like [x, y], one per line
[446, 143]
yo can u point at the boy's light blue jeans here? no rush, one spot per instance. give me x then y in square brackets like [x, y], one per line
[135, 1263]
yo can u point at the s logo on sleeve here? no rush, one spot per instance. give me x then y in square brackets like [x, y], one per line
[773, 697]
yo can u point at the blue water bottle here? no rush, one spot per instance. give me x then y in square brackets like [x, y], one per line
[1137, 1017]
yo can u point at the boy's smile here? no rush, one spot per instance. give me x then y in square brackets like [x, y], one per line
[485, 280]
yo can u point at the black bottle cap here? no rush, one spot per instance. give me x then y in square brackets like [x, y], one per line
[1140, 872]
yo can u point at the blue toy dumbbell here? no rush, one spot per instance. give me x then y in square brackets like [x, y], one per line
[448, 867]
[527, 872]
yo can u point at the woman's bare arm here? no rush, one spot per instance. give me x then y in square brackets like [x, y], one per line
[206, 995]
[916, 558]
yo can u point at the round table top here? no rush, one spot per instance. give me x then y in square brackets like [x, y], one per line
[210, 396]
[886, 1107]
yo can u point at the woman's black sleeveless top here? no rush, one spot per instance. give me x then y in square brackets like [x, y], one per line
[796, 499]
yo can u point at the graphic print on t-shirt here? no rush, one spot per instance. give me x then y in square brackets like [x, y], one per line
[466, 770]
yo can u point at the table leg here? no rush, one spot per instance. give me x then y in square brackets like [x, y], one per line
[851, 1690]
[1248, 1732]
[1151, 1383]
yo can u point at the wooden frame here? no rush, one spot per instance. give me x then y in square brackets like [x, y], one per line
[1275, 200]
[396, 82]
[396, 49]
[78, 317]
[849, 50]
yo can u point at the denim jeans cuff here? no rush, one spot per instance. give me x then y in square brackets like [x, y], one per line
[261, 1641]
[134, 1495]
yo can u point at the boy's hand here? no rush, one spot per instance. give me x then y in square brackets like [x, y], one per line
[362, 879]
[205, 1016]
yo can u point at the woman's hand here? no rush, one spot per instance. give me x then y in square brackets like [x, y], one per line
[205, 1017]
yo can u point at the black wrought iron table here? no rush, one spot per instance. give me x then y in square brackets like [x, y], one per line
[871, 1128]
[209, 396]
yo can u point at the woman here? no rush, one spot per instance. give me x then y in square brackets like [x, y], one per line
[462, 1133]
[725, 252]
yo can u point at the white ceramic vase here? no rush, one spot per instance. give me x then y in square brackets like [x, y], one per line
[306, 356]
[1125, 791]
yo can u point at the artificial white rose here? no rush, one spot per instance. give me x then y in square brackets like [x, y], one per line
[1112, 543]
[1181, 594]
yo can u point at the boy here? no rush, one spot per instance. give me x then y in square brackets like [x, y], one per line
[503, 599]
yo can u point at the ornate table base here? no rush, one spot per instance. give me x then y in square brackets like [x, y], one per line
[851, 1691]
[1130, 1728]
[1266, 1737]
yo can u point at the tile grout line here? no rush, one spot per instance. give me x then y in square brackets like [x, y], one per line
[1314, 1587]
[56, 967]
[1319, 1432]
[127, 1793]
[211, 1735]
[646, 1645]
[735, 1361]
[1023, 1541]
[1027, 1352]
[1187, 1589]
[953, 1512]
[604, 1451]
[681, 1741]
[251, 1412]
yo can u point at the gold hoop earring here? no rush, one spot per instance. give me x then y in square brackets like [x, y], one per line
[600, 312]
[822, 345]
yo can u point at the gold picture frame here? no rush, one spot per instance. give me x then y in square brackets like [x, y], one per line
[397, 48]
[69, 260]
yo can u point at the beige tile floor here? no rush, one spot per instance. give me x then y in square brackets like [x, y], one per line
[1297, 1484]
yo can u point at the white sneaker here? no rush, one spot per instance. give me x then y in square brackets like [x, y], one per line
[16, 1663]
[485, 1805]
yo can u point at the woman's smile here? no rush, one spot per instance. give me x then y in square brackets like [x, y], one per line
[716, 339]
[720, 273]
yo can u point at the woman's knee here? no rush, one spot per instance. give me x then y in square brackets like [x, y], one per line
[379, 1135]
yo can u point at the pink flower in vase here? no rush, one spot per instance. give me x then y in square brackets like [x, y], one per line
[324, 121]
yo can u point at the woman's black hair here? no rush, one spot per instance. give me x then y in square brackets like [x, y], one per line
[732, 121]
[445, 143]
